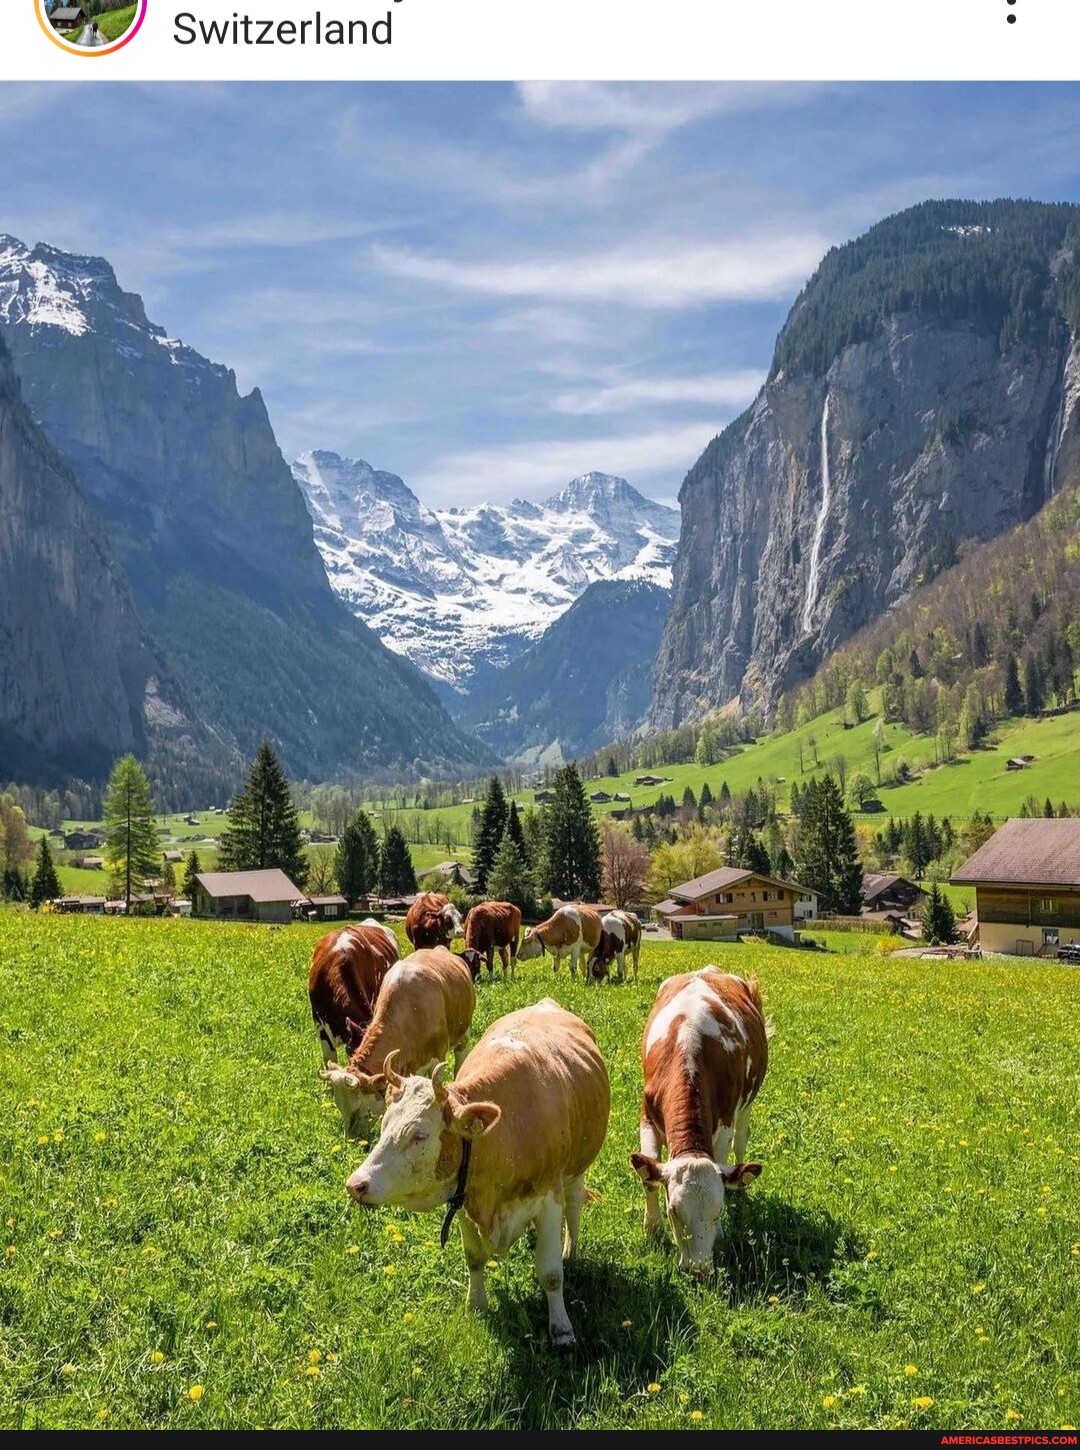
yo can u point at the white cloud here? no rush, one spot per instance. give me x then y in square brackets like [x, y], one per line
[650, 107]
[657, 278]
[538, 468]
[726, 390]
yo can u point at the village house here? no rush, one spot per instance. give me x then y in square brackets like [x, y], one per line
[324, 908]
[542, 797]
[81, 905]
[882, 893]
[723, 903]
[650, 780]
[68, 17]
[245, 896]
[600, 798]
[1027, 887]
[456, 871]
[83, 840]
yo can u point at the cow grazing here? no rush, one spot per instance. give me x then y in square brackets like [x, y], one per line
[571, 929]
[432, 921]
[704, 1051]
[494, 926]
[347, 969]
[423, 1011]
[620, 932]
[509, 1142]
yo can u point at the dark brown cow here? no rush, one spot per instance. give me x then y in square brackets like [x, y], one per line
[705, 1051]
[494, 926]
[432, 921]
[347, 968]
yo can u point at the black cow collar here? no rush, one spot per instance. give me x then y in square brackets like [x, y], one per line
[458, 1196]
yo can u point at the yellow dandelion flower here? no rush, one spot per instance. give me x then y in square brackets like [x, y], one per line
[654, 1388]
[1066, 1427]
[100, 1137]
[43, 1138]
[103, 1413]
[195, 1393]
[911, 1370]
[978, 1288]
[314, 1355]
[627, 1323]
[827, 1401]
[1011, 1416]
[56, 1233]
[313, 1369]
[857, 1390]
[10, 1251]
[418, 1370]
[409, 1317]
[389, 1269]
[353, 1249]
[493, 1263]
[774, 1298]
[58, 1135]
[923, 1402]
[67, 1369]
[211, 1324]
[696, 1415]
[157, 1356]
[336, 1148]
[332, 1357]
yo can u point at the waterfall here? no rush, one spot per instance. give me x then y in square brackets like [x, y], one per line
[819, 527]
[1053, 441]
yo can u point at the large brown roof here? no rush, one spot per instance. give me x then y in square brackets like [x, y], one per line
[721, 880]
[259, 885]
[1034, 852]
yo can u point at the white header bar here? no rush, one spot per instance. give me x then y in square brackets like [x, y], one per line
[193, 40]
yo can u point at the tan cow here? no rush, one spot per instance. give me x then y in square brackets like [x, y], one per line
[432, 920]
[509, 1142]
[571, 929]
[620, 932]
[347, 969]
[423, 1011]
[704, 1051]
[491, 926]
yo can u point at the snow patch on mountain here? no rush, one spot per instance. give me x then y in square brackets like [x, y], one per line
[461, 589]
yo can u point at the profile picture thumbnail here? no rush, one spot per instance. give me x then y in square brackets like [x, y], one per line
[94, 27]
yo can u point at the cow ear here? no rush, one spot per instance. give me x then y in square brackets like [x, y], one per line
[738, 1175]
[473, 1120]
[649, 1170]
[354, 1030]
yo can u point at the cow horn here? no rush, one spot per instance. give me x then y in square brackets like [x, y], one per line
[393, 1078]
[437, 1082]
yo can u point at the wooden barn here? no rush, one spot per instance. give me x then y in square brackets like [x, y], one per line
[68, 17]
[245, 896]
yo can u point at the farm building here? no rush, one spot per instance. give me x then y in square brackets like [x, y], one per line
[458, 873]
[723, 903]
[324, 908]
[600, 798]
[649, 779]
[174, 857]
[542, 797]
[83, 840]
[1027, 886]
[884, 893]
[68, 17]
[245, 895]
[81, 905]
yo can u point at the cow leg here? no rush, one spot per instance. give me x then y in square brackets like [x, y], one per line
[491, 962]
[505, 964]
[722, 1143]
[621, 957]
[549, 1268]
[575, 955]
[476, 1259]
[326, 1042]
[461, 1052]
[556, 961]
[649, 1139]
[742, 1132]
[574, 1195]
[635, 952]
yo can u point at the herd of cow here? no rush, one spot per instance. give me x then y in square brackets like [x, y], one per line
[509, 1139]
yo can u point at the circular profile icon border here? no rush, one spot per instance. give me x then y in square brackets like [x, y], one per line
[90, 52]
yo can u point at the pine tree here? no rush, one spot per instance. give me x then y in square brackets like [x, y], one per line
[689, 801]
[517, 833]
[46, 884]
[1013, 694]
[356, 862]
[750, 854]
[264, 829]
[489, 833]
[509, 878]
[168, 878]
[827, 857]
[131, 842]
[396, 874]
[705, 799]
[1033, 688]
[938, 917]
[192, 867]
[573, 842]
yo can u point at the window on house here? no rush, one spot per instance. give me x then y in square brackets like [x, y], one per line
[1046, 904]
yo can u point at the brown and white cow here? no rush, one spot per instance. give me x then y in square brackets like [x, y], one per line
[704, 1051]
[570, 930]
[494, 926]
[423, 1011]
[347, 969]
[521, 1124]
[620, 932]
[432, 920]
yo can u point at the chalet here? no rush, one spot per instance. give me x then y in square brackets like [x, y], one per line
[542, 797]
[81, 905]
[68, 17]
[884, 893]
[621, 795]
[456, 871]
[1016, 762]
[323, 908]
[600, 798]
[723, 903]
[245, 896]
[83, 840]
[173, 857]
[90, 863]
[1027, 886]
[650, 780]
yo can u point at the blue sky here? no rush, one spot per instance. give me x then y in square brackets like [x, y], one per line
[489, 289]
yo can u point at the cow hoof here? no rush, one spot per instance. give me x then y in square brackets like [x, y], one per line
[562, 1338]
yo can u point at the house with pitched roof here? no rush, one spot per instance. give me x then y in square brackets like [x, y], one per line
[245, 896]
[721, 904]
[1027, 887]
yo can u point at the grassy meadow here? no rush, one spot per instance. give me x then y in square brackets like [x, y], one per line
[178, 1249]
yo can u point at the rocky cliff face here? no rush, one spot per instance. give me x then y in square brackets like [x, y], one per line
[924, 398]
[206, 519]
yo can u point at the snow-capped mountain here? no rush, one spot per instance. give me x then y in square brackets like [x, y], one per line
[461, 589]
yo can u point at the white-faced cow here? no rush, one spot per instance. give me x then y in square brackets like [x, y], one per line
[620, 932]
[494, 926]
[347, 969]
[508, 1142]
[704, 1051]
[569, 931]
[423, 1012]
[432, 920]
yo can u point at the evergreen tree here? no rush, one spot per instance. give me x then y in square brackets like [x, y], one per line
[705, 799]
[396, 874]
[168, 878]
[489, 832]
[517, 833]
[131, 842]
[1048, 808]
[827, 858]
[573, 841]
[1033, 688]
[938, 917]
[725, 793]
[192, 868]
[356, 862]
[14, 885]
[510, 878]
[1013, 694]
[750, 854]
[264, 829]
[689, 801]
[45, 885]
